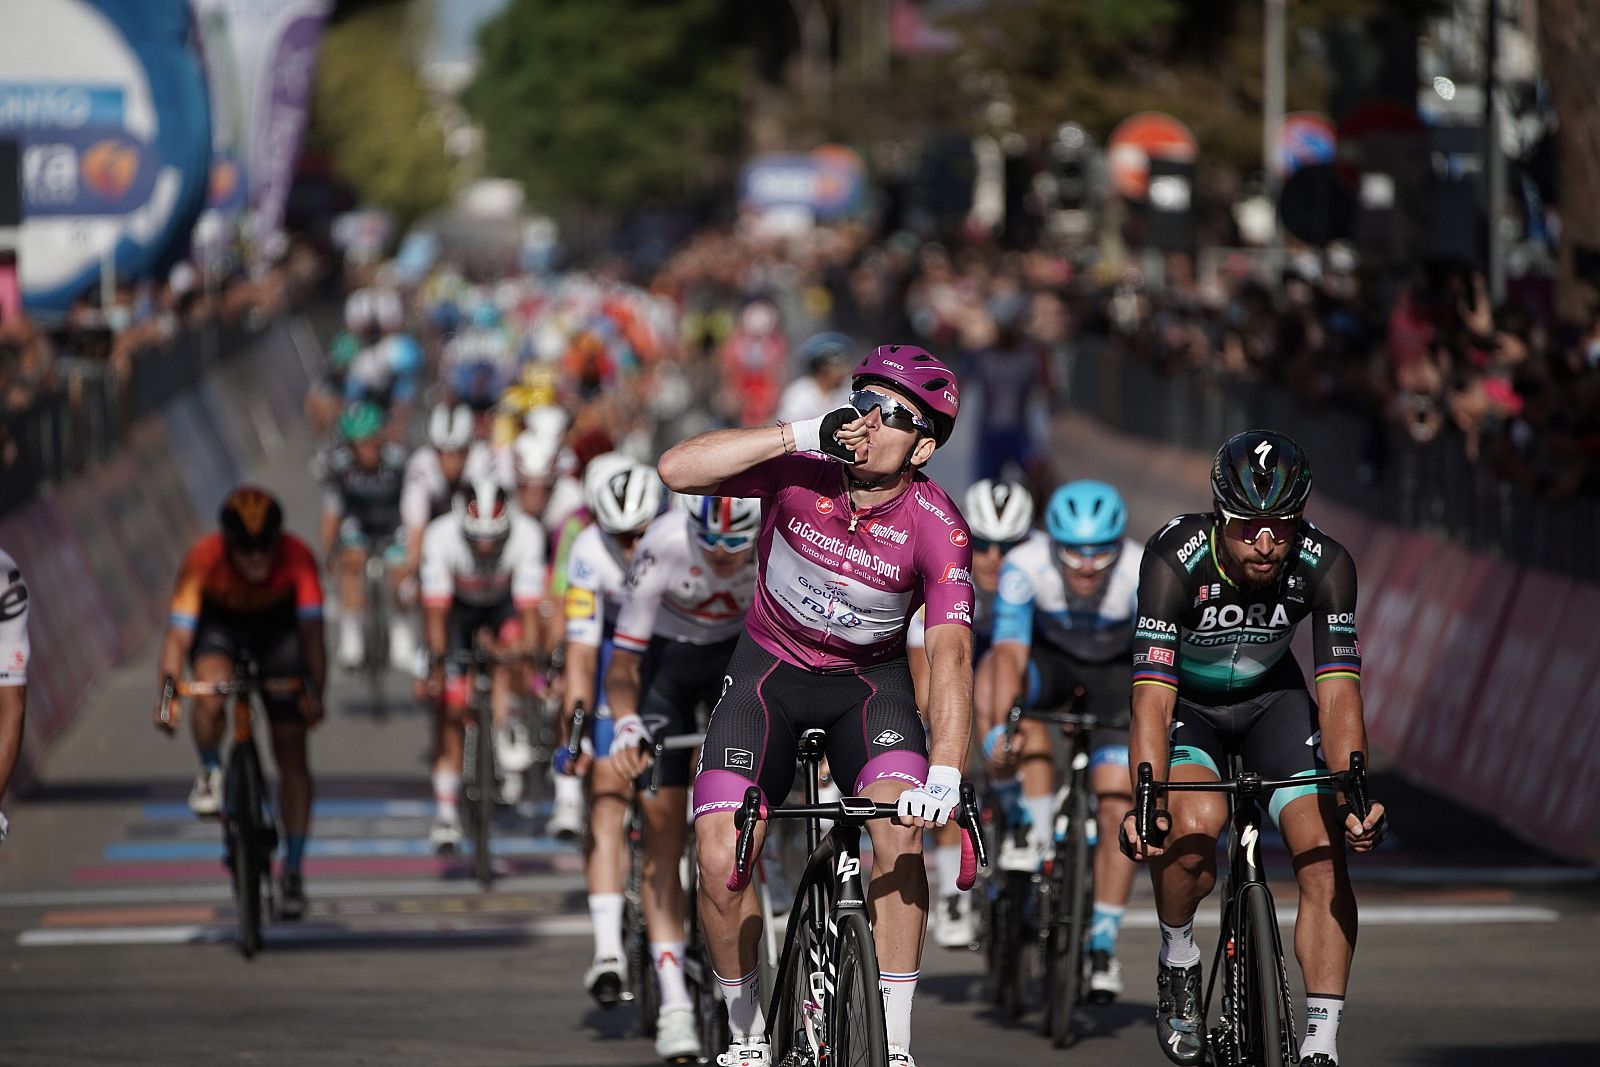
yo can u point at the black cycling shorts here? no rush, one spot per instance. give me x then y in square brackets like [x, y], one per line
[1276, 734]
[1052, 677]
[874, 731]
[501, 619]
[677, 678]
[273, 641]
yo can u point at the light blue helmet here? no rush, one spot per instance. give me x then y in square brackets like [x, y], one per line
[1086, 513]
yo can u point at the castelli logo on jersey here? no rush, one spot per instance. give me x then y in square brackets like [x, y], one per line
[958, 537]
[825, 505]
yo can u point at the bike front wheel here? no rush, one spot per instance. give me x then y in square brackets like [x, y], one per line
[246, 829]
[794, 1019]
[1266, 1030]
[857, 1026]
[1072, 892]
[480, 792]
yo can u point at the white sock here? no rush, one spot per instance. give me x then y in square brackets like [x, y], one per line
[1177, 945]
[350, 628]
[1323, 1013]
[569, 789]
[606, 911]
[1042, 810]
[743, 998]
[668, 958]
[446, 794]
[947, 864]
[899, 990]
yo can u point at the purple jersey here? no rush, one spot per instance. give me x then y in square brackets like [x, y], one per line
[836, 590]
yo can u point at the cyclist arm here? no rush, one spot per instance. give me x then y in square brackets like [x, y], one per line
[438, 590]
[528, 585]
[14, 652]
[1156, 658]
[328, 524]
[703, 462]
[950, 703]
[1340, 711]
[1013, 637]
[636, 623]
[585, 611]
[308, 617]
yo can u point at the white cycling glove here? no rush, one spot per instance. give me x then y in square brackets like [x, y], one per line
[627, 733]
[821, 434]
[935, 800]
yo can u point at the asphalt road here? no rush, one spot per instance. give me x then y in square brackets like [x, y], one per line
[115, 927]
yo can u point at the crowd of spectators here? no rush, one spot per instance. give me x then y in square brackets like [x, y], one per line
[1429, 354]
[53, 369]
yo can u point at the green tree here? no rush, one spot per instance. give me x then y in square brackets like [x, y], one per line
[610, 104]
[371, 112]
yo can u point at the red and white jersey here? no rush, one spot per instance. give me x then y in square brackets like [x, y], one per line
[672, 592]
[425, 494]
[451, 571]
[13, 623]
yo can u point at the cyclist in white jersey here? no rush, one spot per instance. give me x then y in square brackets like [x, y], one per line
[1064, 618]
[434, 473]
[624, 496]
[1000, 514]
[14, 652]
[483, 569]
[692, 579]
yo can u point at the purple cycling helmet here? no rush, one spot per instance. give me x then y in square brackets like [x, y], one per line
[921, 376]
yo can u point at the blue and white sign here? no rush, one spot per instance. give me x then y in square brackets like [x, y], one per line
[109, 103]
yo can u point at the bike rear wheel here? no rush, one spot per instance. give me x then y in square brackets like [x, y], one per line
[1016, 934]
[642, 986]
[246, 830]
[1266, 1029]
[377, 636]
[857, 1025]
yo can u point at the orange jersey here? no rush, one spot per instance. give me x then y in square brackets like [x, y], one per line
[208, 582]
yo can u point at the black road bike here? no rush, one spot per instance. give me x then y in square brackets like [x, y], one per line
[249, 827]
[480, 775]
[826, 1008]
[1255, 1024]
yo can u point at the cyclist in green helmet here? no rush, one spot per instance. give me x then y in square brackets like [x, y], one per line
[361, 511]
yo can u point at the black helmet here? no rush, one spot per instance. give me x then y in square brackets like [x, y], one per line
[1261, 472]
[251, 518]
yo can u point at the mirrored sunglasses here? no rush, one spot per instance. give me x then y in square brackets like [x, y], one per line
[894, 414]
[1091, 558]
[1248, 528]
[731, 542]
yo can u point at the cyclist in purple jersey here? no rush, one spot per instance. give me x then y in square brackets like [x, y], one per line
[854, 538]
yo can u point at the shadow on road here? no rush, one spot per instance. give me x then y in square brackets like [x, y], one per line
[1558, 1054]
[170, 788]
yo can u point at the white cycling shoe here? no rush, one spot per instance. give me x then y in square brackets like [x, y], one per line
[899, 1057]
[403, 646]
[955, 925]
[205, 797]
[445, 836]
[352, 649]
[603, 980]
[513, 747]
[566, 818]
[677, 1036]
[753, 1052]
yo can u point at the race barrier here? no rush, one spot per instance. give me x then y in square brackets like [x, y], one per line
[1477, 673]
[100, 552]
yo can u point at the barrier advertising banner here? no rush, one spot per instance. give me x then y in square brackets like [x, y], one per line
[107, 101]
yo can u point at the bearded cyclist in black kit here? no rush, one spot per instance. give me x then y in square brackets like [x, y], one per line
[1220, 596]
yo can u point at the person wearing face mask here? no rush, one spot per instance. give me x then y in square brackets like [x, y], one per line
[1064, 620]
[1220, 596]
[692, 579]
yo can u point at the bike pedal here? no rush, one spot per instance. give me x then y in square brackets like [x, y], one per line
[608, 992]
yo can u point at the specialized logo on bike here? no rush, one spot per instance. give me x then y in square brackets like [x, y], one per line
[887, 738]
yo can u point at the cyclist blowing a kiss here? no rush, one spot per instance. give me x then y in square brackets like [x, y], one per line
[854, 538]
[1220, 596]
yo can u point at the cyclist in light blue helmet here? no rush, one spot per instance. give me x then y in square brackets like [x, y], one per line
[1064, 618]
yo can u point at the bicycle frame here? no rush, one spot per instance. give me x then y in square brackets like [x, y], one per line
[1245, 869]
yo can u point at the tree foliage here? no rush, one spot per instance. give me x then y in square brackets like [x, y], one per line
[609, 104]
[372, 113]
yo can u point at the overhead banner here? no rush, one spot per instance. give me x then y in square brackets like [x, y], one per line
[108, 105]
[271, 58]
[829, 181]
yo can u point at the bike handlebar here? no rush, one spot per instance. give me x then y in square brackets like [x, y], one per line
[856, 810]
[1248, 784]
[172, 688]
[1078, 720]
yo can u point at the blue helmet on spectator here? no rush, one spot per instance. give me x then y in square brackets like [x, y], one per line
[1086, 513]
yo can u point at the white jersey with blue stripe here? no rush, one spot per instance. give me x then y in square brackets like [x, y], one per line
[1034, 603]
